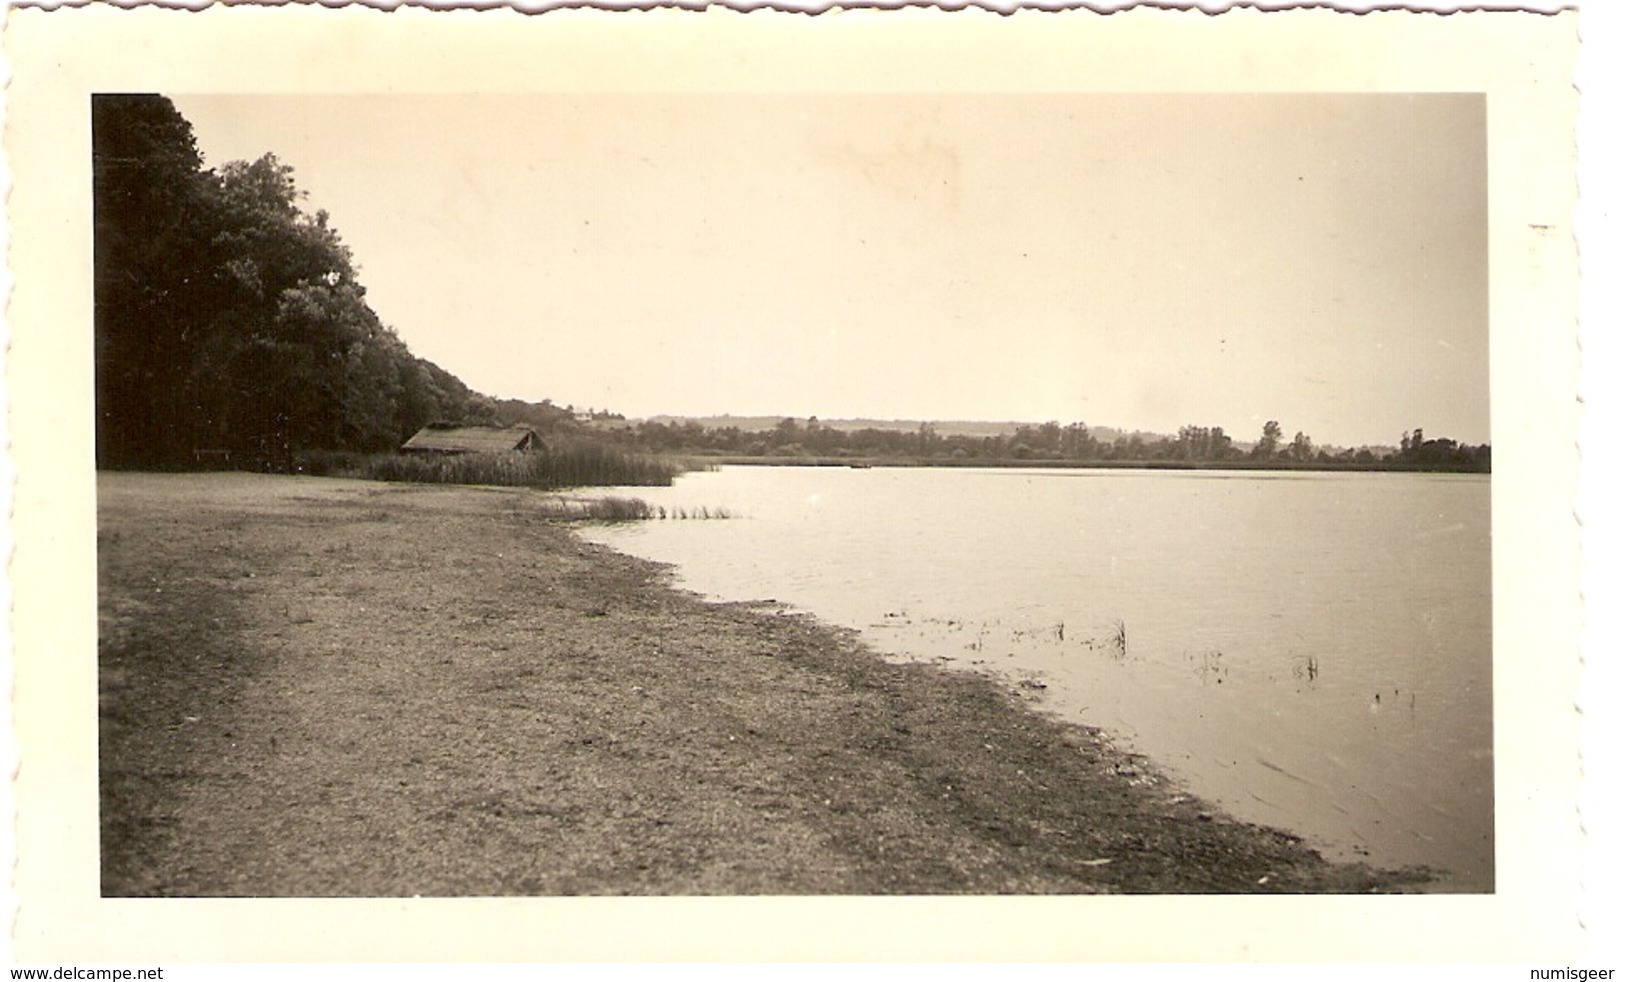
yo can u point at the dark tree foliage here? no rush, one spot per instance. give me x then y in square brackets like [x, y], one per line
[1415, 453]
[543, 417]
[1203, 443]
[1269, 442]
[153, 229]
[230, 321]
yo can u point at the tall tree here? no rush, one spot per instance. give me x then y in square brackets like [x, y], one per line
[153, 227]
[1269, 441]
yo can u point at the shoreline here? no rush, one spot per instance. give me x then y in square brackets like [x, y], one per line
[316, 687]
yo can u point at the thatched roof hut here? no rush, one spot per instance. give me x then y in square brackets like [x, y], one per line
[445, 438]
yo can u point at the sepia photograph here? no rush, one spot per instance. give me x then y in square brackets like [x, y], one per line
[1093, 492]
[645, 483]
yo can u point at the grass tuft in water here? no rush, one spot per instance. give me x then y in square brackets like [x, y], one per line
[620, 509]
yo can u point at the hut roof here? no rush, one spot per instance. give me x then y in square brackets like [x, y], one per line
[471, 439]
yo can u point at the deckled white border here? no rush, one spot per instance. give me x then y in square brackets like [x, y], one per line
[1347, 928]
[1601, 82]
[1210, 7]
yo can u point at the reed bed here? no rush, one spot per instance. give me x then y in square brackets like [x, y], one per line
[563, 465]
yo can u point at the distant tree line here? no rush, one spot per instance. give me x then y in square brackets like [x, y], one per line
[229, 321]
[1191, 446]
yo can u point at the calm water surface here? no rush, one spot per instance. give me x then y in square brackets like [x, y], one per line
[1309, 651]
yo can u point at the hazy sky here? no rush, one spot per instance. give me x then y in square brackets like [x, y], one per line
[1126, 260]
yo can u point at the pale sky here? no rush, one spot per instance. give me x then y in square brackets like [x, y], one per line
[1125, 260]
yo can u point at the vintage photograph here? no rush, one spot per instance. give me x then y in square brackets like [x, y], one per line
[888, 487]
[793, 494]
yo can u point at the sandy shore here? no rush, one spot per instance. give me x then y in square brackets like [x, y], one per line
[333, 688]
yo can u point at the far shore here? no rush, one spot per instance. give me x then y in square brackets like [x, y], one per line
[322, 687]
[770, 460]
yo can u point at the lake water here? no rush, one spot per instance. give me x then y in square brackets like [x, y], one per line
[1309, 651]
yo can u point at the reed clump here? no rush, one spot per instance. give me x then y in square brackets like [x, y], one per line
[616, 509]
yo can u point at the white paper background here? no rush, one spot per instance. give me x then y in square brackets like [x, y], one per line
[1522, 62]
